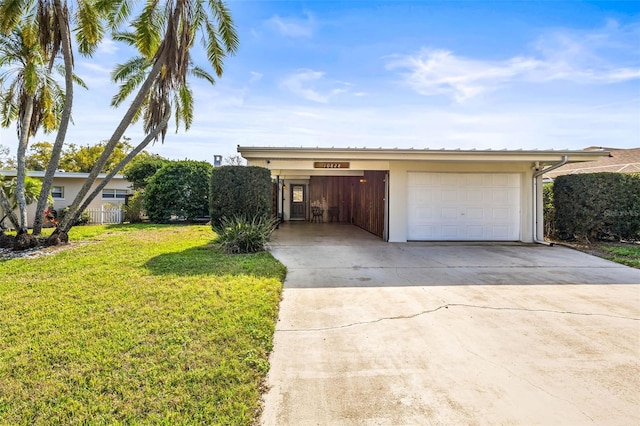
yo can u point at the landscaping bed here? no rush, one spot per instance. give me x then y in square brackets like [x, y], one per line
[141, 324]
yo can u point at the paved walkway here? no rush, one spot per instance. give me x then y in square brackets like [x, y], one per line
[372, 333]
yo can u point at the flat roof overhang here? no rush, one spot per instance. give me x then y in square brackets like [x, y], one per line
[58, 174]
[544, 157]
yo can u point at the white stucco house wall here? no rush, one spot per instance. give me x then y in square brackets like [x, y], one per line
[416, 194]
[66, 186]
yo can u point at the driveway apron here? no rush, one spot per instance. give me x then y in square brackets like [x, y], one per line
[375, 333]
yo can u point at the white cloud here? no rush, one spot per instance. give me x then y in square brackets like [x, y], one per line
[293, 27]
[94, 74]
[312, 85]
[579, 58]
[435, 72]
[255, 76]
[107, 47]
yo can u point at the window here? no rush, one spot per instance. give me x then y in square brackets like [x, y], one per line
[57, 192]
[298, 193]
[114, 194]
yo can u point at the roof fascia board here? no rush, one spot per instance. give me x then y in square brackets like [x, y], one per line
[268, 153]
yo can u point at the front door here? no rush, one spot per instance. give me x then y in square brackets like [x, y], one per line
[298, 202]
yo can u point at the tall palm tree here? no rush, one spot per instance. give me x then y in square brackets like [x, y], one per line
[53, 20]
[29, 96]
[164, 34]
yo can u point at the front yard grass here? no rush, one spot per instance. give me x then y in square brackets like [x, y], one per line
[136, 324]
[626, 254]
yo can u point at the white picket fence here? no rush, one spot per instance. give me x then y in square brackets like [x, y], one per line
[105, 215]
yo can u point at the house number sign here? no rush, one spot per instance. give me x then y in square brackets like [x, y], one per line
[330, 165]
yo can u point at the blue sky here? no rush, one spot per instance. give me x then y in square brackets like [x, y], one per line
[421, 74]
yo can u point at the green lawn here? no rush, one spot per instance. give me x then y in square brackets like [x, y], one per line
[627, 255]
[137, 324]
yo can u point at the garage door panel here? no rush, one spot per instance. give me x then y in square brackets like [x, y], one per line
[474, 196]
[424, 213]
[449, 196]
[472, 206]
[475, 213]
[424, 197]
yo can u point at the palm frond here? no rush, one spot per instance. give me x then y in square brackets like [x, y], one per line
[146, 30]
[225, 24]
[199, 72]
[117, 11]
[125, 37]
[11, 13]
[90, 27]
[215, 51]
[186, 107]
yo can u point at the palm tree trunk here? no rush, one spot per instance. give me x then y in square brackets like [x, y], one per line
[47, 182]
[8, 211]
[74, 209]
[25, 125]
[142, 145]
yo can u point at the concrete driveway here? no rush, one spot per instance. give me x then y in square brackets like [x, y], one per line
[374, 333]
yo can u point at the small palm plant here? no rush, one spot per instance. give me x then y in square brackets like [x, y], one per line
[244, 235]
[31, 191]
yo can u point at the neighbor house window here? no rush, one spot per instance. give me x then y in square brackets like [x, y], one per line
[57, 192]
[114, 194]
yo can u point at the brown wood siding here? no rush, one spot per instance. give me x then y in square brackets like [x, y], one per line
[369, 202]
[360, 201]
[336, 190]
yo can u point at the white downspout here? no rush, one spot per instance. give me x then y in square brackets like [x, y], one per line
[537, 173]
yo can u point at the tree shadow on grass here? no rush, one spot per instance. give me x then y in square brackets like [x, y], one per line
[208, 260]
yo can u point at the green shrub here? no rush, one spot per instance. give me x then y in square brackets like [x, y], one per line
[239, 191]
[179, 189]
[83, 219]
[242, 235]
[142, 168]
[134, 209]
[597, 206]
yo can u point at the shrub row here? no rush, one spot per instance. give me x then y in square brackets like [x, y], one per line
[597, 206]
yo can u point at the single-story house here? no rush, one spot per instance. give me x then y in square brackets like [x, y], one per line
[66, 186]
[618, 161]
[416, 194]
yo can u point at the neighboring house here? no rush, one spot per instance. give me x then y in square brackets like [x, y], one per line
[416, 194]
[66, 186]
[618, 161]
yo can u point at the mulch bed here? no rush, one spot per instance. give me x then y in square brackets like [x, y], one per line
[42, 249]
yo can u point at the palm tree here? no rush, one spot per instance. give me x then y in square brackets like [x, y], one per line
[53, 18]
[130, 75]
[31, 192]
[29, 96]
[164, 34]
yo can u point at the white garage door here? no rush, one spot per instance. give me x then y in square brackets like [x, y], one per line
[463, 206]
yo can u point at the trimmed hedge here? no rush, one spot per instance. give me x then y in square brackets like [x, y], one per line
[597, 206]
[239, 191]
